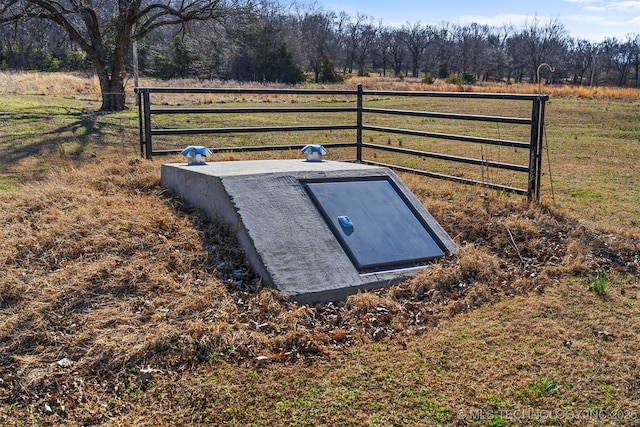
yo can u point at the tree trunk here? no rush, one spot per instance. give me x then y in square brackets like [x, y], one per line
[112, 83]
[113, 96]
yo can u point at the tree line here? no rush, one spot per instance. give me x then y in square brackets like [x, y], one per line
[271, 41]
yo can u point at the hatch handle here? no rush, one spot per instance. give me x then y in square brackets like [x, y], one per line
[345, 222]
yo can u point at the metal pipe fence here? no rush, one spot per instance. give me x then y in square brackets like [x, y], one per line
[535, 122]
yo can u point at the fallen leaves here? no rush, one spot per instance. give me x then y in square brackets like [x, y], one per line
[338, 335]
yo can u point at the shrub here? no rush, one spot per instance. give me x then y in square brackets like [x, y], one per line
[279, 67]
[469, 78]
[328, 72]
[454, 79]
[461, 78]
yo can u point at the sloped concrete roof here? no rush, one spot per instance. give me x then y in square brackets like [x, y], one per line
[286, 239]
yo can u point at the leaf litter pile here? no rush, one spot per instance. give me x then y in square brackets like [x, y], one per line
[104, 273]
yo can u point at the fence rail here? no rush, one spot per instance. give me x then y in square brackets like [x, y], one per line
[533, 145]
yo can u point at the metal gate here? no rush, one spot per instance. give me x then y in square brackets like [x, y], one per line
[535, 122]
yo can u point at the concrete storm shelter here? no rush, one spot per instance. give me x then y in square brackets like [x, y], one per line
[316, 231]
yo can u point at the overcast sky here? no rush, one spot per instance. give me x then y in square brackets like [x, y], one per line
[588, 19]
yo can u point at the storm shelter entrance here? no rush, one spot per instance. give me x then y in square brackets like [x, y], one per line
[374, 223]
[316, 231]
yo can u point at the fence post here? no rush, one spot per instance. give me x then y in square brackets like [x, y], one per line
[533, 187]
[147, 125]
[359, 124]
[140, 131]
[540, 145]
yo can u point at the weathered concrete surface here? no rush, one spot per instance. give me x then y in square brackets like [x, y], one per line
[286, 240]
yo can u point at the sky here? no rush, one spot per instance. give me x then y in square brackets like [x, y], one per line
[593, 20]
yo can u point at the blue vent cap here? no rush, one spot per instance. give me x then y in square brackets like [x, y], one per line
[196, 155]
[314, 148]
[194, 150]
[314, 152]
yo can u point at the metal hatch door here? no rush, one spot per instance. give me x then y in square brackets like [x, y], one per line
[375, 224]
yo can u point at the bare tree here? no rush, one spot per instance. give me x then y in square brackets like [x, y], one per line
[415, 37]
[495, 63]
[582, 57]
[608, 49]
[541, 43]
[206, 39]
[32, 44]
[364, 45]
[439, 47]
[634, 41]
[623, 60]
[356, 37]
[257, 34]
[397, 53]
[472, 41]
[105, 30]
[390, 50]
[317, 39]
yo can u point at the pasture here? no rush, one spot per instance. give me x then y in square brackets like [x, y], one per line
[119, 305]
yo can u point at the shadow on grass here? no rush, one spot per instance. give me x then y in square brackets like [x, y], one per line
[57, 134]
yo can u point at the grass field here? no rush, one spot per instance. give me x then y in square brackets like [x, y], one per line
[119, 304]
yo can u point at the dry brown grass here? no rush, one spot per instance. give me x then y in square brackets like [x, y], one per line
[414, 84]
[66, 84]
[120, 305]
[56, 84]
[103, 267]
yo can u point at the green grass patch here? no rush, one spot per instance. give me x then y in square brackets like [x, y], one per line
[540, 387]
[586, 194]
[598, 284]
[9, 184]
